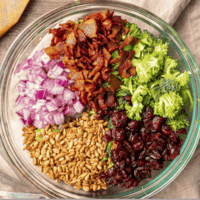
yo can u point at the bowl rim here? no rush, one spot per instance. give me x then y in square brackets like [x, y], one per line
[171, 33]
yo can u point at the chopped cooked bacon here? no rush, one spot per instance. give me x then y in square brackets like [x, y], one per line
[71, 40]
[87, 54]
[107, 24]
[128, 40]
[112, 46]
[131, 55]
[67, 61]
[52, 52]
[114, 83]
[110, 100]
[115, 29]
[120, 59]
[123, 67]
[99, 61]
[81, 36]
[132, 71]
[89, 27]
[125, 30]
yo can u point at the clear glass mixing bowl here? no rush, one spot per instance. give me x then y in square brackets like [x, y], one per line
[35, 36]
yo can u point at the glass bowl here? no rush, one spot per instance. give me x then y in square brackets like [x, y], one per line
[36, 36]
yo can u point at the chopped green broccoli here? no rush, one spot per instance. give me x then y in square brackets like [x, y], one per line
[148, 67]
[55, 130]
[115, 73]
[160, 49]
[179, 122]
[111, 164]
[122, 103]
[38, 130]
[128, 47]
[134, 111]
[147, 38]
[115, 54]
[138, 48]
[106, 84]
[91, 112]
[134, 31]
[183, 78]
[110, 126]
[169, 105]
[38, 138]
[185, 94]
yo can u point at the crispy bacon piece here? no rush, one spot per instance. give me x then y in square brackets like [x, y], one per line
[85, 74]
[125, 30]
[99, 61]
[110, 100]
[97, 75]
[78, 51]
[90, 87]
[52, 52]
[107, 24]
[81, 36]
[123, 67]
[95, 71]
[75, 75]
[80, 84]
[101, 101]
[71, 40]
[107, 56]
[115, 29]
[132, 71]
[112, 46]
[114, 83]
[67, 61]
[131, 55]
[129, 40]
[93, 105]
[83, 97]
[89, 27]
[92, 16]
[103, 15]
[121, 58]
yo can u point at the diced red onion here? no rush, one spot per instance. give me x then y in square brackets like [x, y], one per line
[79, 107]
[45, 100]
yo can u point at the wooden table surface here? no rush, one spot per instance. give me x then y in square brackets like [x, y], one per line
[186, 185]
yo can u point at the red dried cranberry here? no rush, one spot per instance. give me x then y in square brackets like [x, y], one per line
[155, 155]
[174, 153]
[124, 173]
[142, 154]
[132, 125]
[128, 97]
[134, 139]
[121, 164]
[118, 118]
[132, 156]
[138, 146]
[172, 137]
[148, 114]
[127, 146]
[148, 124]
[166, 129]
[118, 134]
[128, 169]
[128, 161]
[135, 182]
[157, 122]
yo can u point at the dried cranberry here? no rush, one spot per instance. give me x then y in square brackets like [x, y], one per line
[155, 155]
[124, 173]
[108, 136]
[138, 146]
[166, 129]
[121, 164]
[127, 146]
[174, 153]
[132, 125]
[157, 122]
[128, 161]
[172, 137]
[135, 182]
[118, 118]
[118, 134]
[183, 131]
[148, 114]
[142, 154]
[128, 169]
[134, 139]
[128, 97]
[148, 124]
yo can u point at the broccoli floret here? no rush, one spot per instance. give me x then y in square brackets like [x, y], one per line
[147, 68]
[160, 49]
[129, 85]
[169, 68]
[183, 78]
[115, 54]
[110, 126]
[147, 38]
[138, 48]
[185, 94]
[169, 105]
[122, 103]
[134, 31]
[128, 47]
[91, 112]
[179, 122]
[147, 50]
[106, 84]
[134, 111]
